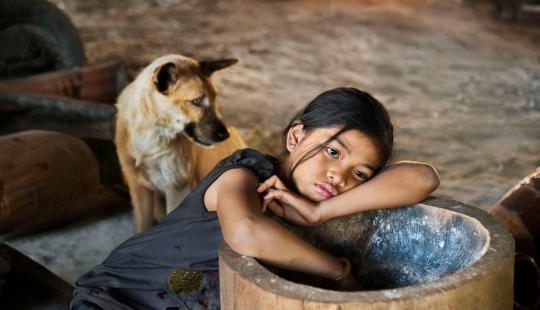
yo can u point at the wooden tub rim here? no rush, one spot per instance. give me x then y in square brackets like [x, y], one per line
[499, 251]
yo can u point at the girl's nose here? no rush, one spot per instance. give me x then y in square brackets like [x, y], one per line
[336, 178]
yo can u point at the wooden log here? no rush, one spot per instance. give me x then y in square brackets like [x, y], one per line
[48, 178]
[399, 244]
[100, 83]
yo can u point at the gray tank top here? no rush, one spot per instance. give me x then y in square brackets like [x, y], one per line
[139, 272]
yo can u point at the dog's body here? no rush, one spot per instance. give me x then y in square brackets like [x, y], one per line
[167, 124]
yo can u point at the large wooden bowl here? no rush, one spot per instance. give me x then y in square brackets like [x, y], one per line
[441, 254]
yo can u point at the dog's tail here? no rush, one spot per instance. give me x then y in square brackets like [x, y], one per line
[67, 106]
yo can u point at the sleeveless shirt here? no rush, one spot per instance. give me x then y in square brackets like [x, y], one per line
[134, 275]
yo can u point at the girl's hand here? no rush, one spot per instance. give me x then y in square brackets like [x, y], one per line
[288, 205]
[349, 285]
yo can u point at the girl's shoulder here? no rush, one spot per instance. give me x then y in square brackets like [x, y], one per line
[261, 164]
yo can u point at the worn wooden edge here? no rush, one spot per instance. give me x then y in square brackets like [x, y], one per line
[499, 254]
[525, 181]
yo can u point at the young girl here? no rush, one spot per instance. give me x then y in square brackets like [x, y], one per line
[336, 163]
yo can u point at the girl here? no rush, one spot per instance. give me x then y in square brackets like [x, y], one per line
[336, 163]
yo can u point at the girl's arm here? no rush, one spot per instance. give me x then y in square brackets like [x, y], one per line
[400, 184]
[247, 231]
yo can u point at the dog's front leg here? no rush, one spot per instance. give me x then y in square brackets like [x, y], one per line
[174, 197]
[159, 206]
[142, 199]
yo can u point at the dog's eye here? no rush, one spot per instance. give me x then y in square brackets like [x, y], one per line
[196, 101]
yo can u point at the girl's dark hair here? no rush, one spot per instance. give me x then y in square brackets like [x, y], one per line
[348, 109]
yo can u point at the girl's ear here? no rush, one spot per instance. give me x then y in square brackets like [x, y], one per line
[294, 136]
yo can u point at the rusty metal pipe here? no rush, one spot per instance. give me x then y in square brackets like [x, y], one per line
[82, 109]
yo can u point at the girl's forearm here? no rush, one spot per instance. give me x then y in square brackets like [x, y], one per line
[272, 244]
[399, 184]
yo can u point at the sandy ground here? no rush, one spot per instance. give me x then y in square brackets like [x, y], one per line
[463, 87]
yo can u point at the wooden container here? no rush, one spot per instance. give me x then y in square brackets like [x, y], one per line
[519, 210]
[441, 254]
[48, 178]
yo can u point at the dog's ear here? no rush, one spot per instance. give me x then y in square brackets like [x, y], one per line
[166, 76]
[209, 67]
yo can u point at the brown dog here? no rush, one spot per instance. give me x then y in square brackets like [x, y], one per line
[169, 133]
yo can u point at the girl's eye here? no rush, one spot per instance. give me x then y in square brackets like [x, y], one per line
[360, 174]
[331, 152]
[196, 101]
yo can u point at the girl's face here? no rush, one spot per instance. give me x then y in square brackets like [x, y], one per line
[345, 162]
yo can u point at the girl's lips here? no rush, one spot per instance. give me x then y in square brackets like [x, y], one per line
[326, 190]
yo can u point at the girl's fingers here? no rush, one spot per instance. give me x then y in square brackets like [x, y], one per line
[271, 182]
[268, 183]
[270, 196]
[265, 205]
[276, 208]
[276, 194]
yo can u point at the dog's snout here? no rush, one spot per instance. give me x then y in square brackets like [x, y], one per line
[206, 135]
[222, 134]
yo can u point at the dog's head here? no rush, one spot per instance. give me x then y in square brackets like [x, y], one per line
[186, 98]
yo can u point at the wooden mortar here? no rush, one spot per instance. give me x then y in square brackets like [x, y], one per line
[441, 254]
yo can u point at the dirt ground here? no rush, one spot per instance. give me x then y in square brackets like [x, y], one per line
[462, 86]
